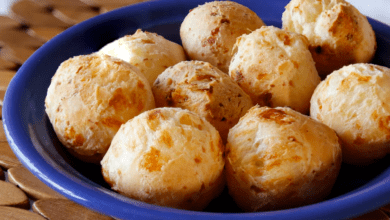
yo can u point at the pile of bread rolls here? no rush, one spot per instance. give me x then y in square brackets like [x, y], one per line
[240, 104]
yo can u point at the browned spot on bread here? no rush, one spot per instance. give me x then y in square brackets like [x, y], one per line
[111, 122]
[296, 158]
[186, 120]
[205, 77]
[215, 31]
[296, 64]
[211, 146]
[119, 101]
[276, 115]
[360, 77]
[153, 119]
[198, 159]
[243, 132]
[384, 123]
[169, 81]
[346, 82]
[261, 76]
[210, 40]
[358, 126]
[147, 41]
[207, 107]
[154, 114]
[76, 139]
[166, 138]
[175, 97]
[285, 38]
[152, 161]
[273, 164]
[374, 115]
[140, 85]
[225, 21]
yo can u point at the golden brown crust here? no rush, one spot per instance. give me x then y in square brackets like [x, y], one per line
[213, 38]
[338, 33]
[166, 156]
[353, 101]
[89, 97]
[202, 88]
[279, 158]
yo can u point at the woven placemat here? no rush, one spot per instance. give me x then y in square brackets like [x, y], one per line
[28, 26]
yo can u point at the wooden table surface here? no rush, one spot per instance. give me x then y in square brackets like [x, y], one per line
[29, 25]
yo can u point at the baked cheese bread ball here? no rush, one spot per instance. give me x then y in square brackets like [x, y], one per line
[149, 52]
[202, 88]
[275, 68]
[168, 157]
[277, 158]
[354, 101]
[88, 99]
[209, 31]
[338, 33]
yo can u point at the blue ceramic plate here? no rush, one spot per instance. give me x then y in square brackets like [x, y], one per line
[358, 190]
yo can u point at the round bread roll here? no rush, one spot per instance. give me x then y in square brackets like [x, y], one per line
[209, 31]
[88, 99]
[277, 158]
[354, 101]
[275, 68]
[168, 157]
[202, 88]
[338, 33]
[149, 52]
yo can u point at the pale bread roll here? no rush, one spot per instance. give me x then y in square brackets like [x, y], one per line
[88, 99]
[209, 31]
[168, 157]
[354, 101]
[277, 158]
[275, 68]
[149, 52]
[338, 33]
[202, 88]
